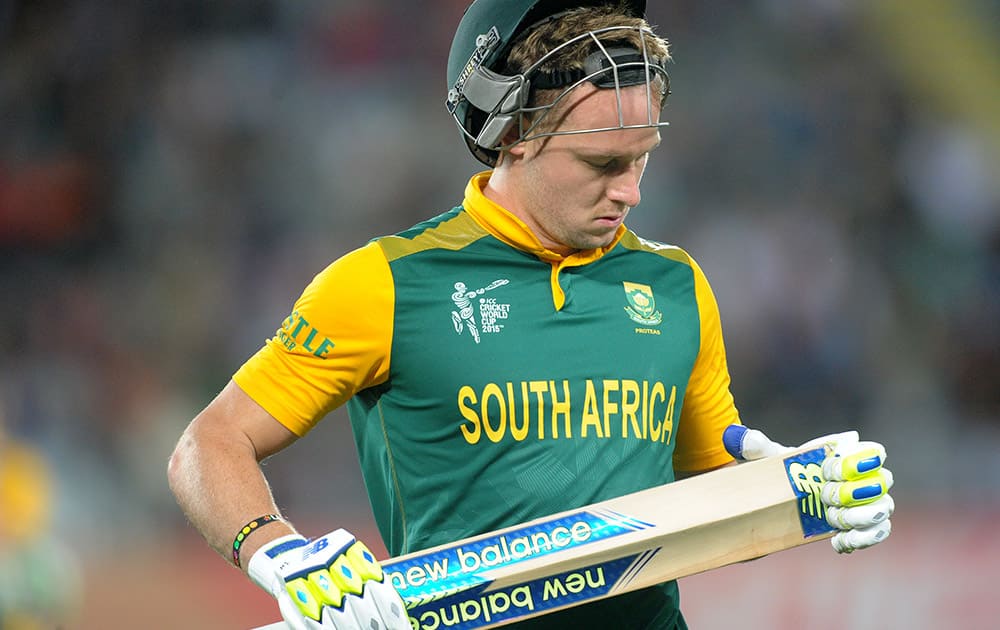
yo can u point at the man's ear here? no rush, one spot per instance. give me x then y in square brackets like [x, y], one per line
[514, 153]
[511, 139]
[518, 150]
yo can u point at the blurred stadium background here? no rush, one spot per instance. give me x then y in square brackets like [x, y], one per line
[172, 174]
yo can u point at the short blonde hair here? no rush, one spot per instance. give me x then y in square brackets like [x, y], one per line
[561, 28]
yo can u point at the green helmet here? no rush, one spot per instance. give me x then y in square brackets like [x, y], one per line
[486, 104]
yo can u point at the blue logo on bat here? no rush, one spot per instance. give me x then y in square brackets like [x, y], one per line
[806, 476]
[439, 573]
[479, 606]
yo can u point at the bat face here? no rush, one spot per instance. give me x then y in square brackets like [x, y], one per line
[731, 515]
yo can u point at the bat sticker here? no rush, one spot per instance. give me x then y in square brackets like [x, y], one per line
[479, 606]
[806, 476]
[436, 574]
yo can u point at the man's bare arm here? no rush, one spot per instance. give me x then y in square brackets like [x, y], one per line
[214, 471]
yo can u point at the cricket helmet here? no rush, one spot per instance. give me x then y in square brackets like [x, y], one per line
[486, 103]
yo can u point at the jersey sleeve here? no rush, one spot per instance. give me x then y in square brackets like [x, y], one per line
[708, 404]
[335, 343]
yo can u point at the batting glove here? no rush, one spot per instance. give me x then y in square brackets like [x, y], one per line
[331, 582]
[853, 485]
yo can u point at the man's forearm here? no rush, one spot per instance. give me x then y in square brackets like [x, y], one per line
[219, 485]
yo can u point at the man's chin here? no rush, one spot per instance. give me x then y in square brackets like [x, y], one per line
[596, 242]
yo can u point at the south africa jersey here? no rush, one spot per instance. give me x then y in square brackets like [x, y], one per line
[490, 381]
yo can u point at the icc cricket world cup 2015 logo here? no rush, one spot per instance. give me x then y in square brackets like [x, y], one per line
[464, 317]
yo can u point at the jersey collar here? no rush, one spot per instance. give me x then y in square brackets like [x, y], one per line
[502, 224]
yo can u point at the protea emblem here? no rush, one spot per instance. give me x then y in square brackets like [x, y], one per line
[641, 304]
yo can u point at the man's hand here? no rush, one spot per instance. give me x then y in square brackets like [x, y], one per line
[331, 582]
[855, 484]
[856, 495]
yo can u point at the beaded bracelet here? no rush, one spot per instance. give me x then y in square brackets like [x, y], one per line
[247, 530]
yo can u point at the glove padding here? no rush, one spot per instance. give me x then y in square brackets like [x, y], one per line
[331, 582]
[854, 488]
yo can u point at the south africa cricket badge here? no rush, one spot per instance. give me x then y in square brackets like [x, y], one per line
[641, 304]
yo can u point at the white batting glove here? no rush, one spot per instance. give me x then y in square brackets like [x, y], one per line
[854, 486]
[856, 494]
[331, 582]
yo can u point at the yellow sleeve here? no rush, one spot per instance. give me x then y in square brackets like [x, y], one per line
[708, 404]
[335, 343]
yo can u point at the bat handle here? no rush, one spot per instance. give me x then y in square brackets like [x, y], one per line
[746, 444]
[732, 439]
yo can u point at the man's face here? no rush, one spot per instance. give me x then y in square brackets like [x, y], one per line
[573, 191]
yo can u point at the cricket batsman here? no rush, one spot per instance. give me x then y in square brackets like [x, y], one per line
[520, 354]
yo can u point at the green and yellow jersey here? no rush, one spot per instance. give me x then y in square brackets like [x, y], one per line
[490, 381]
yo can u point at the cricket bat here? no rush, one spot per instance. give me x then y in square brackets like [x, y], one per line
[729, 515]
